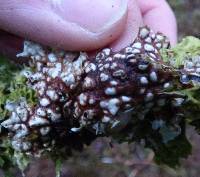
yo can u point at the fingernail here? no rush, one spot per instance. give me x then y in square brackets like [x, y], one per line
[92, 15]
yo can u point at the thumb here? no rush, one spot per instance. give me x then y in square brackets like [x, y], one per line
[67, 24]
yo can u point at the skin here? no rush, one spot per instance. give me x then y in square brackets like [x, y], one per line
[81, 25]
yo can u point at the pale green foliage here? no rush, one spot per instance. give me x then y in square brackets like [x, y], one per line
[187, 48]
[12, 88]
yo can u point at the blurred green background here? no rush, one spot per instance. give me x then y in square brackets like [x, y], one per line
[188, 16]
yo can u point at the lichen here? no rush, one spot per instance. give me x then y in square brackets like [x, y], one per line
[62, 101]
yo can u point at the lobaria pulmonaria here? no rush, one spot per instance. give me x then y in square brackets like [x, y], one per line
[112, 94]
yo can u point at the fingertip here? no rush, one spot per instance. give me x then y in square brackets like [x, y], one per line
[159, 16]
[134, 21]
[50, 25]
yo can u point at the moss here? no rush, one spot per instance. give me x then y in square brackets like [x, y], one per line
[12, 88]
[187, 48]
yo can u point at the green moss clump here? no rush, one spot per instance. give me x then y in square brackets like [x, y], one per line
[12, 88]
[189, 47]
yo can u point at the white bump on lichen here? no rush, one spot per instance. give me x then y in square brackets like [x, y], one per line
[110, 91]
[132, 61]
[153, 36]
[36, 77]
[21, 146]
[128, 50]
[153, 76]
[91, 101]
[103, 104]
[37, 121]
[40, 87]
[10, 105]
[52, 57]
[117, 56]
[39, 66]
[41, 112]
[113, 65]
[152, 55]
[149, 96]
[126, 98]
[144, 80]
[77, 112]
[104, 77]
[119, 73]
[149, 48]
[90, 67]
[114, 83]
[136, 51]
[131, 56]
[26, 73]
[100, 65]
[111, 105]
[74, 129]
[144, 32]
[106, 119]
[44, 102]
[178, 102]
[22, 113]
[137, 45]
[38, 58]
[106, 66]
[53, 116]
[159, 38]
[101, 68]
[11, 121]
[82, 99]
[143, 66]
[55, 71]
[21, 130]
[69, 79]
[107, 51]
[17, 145]
[115, 124]
[52, 94]
[88, 82]
[148, 39]
[159, 45]
[109, 59]
[31, 49]
[167, 85]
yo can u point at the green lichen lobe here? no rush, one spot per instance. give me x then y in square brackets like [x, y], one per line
[187, 48]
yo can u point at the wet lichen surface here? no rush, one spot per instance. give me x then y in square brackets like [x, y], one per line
[64, 101]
